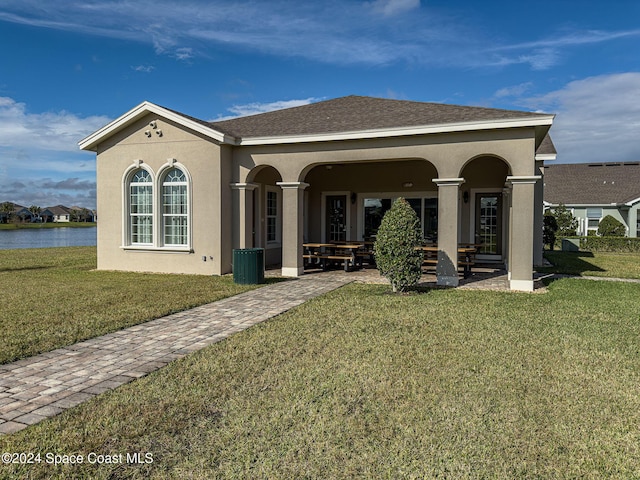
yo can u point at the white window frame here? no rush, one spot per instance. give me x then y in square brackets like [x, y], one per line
[161, 203]
[277, 242]
[128, 216]
[157, 215]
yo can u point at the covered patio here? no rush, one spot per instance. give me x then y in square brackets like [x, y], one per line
[477, 189]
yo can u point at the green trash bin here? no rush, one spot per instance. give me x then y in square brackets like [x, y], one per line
[248, 265]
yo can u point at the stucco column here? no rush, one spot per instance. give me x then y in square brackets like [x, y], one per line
[292, 227]
[522, 231]
[447, 268]
[538, 241]
[243, 214]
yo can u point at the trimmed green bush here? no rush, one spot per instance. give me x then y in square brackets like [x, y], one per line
[611, 227]
[594, 243]
[395, 247]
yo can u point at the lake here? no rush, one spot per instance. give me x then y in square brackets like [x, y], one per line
[47, 237]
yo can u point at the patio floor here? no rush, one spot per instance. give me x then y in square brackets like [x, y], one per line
[484, 277]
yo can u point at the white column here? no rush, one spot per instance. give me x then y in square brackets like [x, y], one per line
[447, 268]
[243, 213]
[292, 227]
[522, 231]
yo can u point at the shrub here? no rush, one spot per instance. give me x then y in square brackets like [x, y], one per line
[549, 230]
[567, 223]
[610, 227]
[594, 243]
[395, 247]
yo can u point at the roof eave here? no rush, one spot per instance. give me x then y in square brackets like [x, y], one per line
[92, 141]
[541, 121]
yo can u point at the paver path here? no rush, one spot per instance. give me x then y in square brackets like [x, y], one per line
[42, 386]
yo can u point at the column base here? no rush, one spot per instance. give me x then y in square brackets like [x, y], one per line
[521, 285]
[447, 281]
[292, 271]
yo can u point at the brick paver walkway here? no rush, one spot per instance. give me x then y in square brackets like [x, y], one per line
[42, 386]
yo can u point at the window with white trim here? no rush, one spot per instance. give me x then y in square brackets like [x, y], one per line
[594, 215]
[175, 205]
[272, 216]
[141, 208]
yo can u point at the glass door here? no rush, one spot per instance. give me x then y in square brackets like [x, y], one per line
[336, 218]
[489, 223]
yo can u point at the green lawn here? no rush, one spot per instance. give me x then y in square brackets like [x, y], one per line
[54, 297]
[360, 383]
[599, 264]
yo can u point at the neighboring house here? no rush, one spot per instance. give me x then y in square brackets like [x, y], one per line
[19, 212]
[46, 215]
[178, 194]
[59, 213]
[594, 190]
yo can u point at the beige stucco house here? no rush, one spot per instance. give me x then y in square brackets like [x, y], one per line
[178, 194]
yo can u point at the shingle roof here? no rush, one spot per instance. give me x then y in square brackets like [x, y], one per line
[357, 113]
[592, 184]
[546, 147]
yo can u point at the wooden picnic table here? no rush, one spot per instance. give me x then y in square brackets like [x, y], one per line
[466, 256]
[322, 253]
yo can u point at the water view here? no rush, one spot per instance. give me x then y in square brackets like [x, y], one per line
[47, 237]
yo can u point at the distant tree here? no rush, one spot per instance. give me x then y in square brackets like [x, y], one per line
[395, 247]
[567, 223]
[549, 230]
[35, 210]
[610, 227]
[6, 209]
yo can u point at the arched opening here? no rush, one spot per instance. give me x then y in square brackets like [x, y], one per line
[346, 201]
[485, 206]
[266, 219]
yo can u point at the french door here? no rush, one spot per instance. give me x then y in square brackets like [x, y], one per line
[488, 228]
[336, 218]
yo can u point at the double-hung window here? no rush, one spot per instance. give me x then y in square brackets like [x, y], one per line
[175, 219]
[594, 215]
[141, 208]
[272, 216]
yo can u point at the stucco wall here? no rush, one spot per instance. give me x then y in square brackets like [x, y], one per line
[203, 162]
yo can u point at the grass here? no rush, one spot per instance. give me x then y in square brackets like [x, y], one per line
[54, 297]
[599, 264]
[17, 226]
[360, 383]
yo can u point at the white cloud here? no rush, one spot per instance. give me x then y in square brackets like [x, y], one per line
[255, 108]
[514, 90]
[598, 118]
[144, 68]
[394, 7]
[59, 131]
[35, 147]
[332, 31]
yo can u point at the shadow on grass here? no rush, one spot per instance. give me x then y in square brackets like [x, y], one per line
[570, 263]
[22, 269]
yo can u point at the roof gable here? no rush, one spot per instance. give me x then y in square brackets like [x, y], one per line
[91, 142]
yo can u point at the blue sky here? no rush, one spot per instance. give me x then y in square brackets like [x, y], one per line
[69, 67]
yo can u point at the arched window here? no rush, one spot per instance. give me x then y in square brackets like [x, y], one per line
[141, 208]
[175, 219]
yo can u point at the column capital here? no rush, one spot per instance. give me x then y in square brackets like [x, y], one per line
[523, 179]
[244, 186]
[448, 182]
[293, 185]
